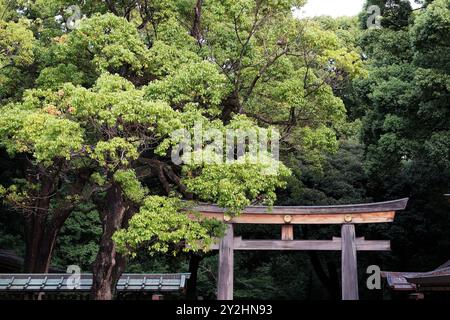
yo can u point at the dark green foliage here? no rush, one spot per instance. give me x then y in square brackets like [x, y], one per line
[395, 13]
[406, 131]
[340, 180]
[78, 241]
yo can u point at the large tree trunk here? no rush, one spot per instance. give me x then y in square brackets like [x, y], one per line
[48, 240]
[43, 225]
[32, 239]
[109, 264]
[35, 223]
[39, 251]
[41, 238]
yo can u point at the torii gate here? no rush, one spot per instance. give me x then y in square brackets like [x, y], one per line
[345, 215]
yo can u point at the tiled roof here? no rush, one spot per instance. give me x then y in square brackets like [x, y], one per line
[438, 279]
[64, 282]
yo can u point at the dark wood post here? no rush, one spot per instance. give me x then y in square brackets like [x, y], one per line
[225, 281]
[349, 267]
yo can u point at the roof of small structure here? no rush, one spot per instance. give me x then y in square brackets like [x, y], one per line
[438, 279]
[66, 282]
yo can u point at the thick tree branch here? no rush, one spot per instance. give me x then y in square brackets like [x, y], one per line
[196, 26]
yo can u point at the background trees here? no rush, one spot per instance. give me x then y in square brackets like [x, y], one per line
[405, 129]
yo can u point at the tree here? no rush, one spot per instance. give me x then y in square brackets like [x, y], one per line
[96, 118]
[47, 187]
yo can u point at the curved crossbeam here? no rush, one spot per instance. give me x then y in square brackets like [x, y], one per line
[379, 212]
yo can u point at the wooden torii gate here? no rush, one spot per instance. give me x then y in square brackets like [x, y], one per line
[345, 215]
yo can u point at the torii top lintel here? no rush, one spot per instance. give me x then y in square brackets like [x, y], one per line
[379, 212]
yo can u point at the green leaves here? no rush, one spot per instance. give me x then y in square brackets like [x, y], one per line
[430, 36]
[114, 101]
[193, 82]
[114, 153]
[41, 133]
[104, 43]
[161, 226]
[16, 44]
[236, 185]
[55, 77]
[130, 185]
[166, 58]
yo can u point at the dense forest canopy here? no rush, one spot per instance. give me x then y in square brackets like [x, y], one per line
[92, 91]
